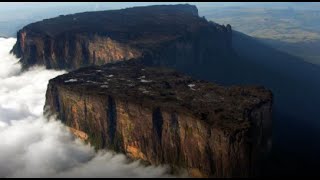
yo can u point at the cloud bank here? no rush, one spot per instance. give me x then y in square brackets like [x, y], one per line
[33, 146]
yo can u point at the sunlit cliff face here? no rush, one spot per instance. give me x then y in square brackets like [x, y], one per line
[33, 146]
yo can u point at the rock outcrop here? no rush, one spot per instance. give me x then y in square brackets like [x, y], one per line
[164, 117]
[175, 36]
[171, 34]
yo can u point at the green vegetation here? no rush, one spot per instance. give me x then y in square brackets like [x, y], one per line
[118, 143]
[100, 61]
[188, 131]
[95, 140]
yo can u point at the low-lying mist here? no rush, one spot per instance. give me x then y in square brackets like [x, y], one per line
[33, 146]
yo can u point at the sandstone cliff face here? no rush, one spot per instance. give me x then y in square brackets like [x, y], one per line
[174, 32]
[163, 117]
[70, 51]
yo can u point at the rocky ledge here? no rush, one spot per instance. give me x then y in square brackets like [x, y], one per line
[164, 117]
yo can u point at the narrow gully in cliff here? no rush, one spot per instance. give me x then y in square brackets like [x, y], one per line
[112, 118]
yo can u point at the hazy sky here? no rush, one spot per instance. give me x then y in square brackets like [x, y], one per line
[17, 8]
[15, 15]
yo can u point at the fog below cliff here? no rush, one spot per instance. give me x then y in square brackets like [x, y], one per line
[32, 146]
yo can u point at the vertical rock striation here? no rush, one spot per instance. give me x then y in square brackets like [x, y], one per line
[170, 34]
[163, 117]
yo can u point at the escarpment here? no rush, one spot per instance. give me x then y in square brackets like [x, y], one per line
[165, 117]
[171, 34]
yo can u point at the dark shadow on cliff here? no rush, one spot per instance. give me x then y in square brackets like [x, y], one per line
[206, 54]
[295, 85]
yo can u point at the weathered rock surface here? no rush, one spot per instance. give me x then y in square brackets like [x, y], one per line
[170, 34]
[164, 117]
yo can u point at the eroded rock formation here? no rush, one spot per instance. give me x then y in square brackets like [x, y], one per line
[171, 34]
[164, 117]
[150, 113]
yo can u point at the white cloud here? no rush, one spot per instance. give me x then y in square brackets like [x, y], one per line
[32, 146]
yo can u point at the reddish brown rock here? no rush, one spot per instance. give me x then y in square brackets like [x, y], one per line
[164, 117]
[171, 34]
